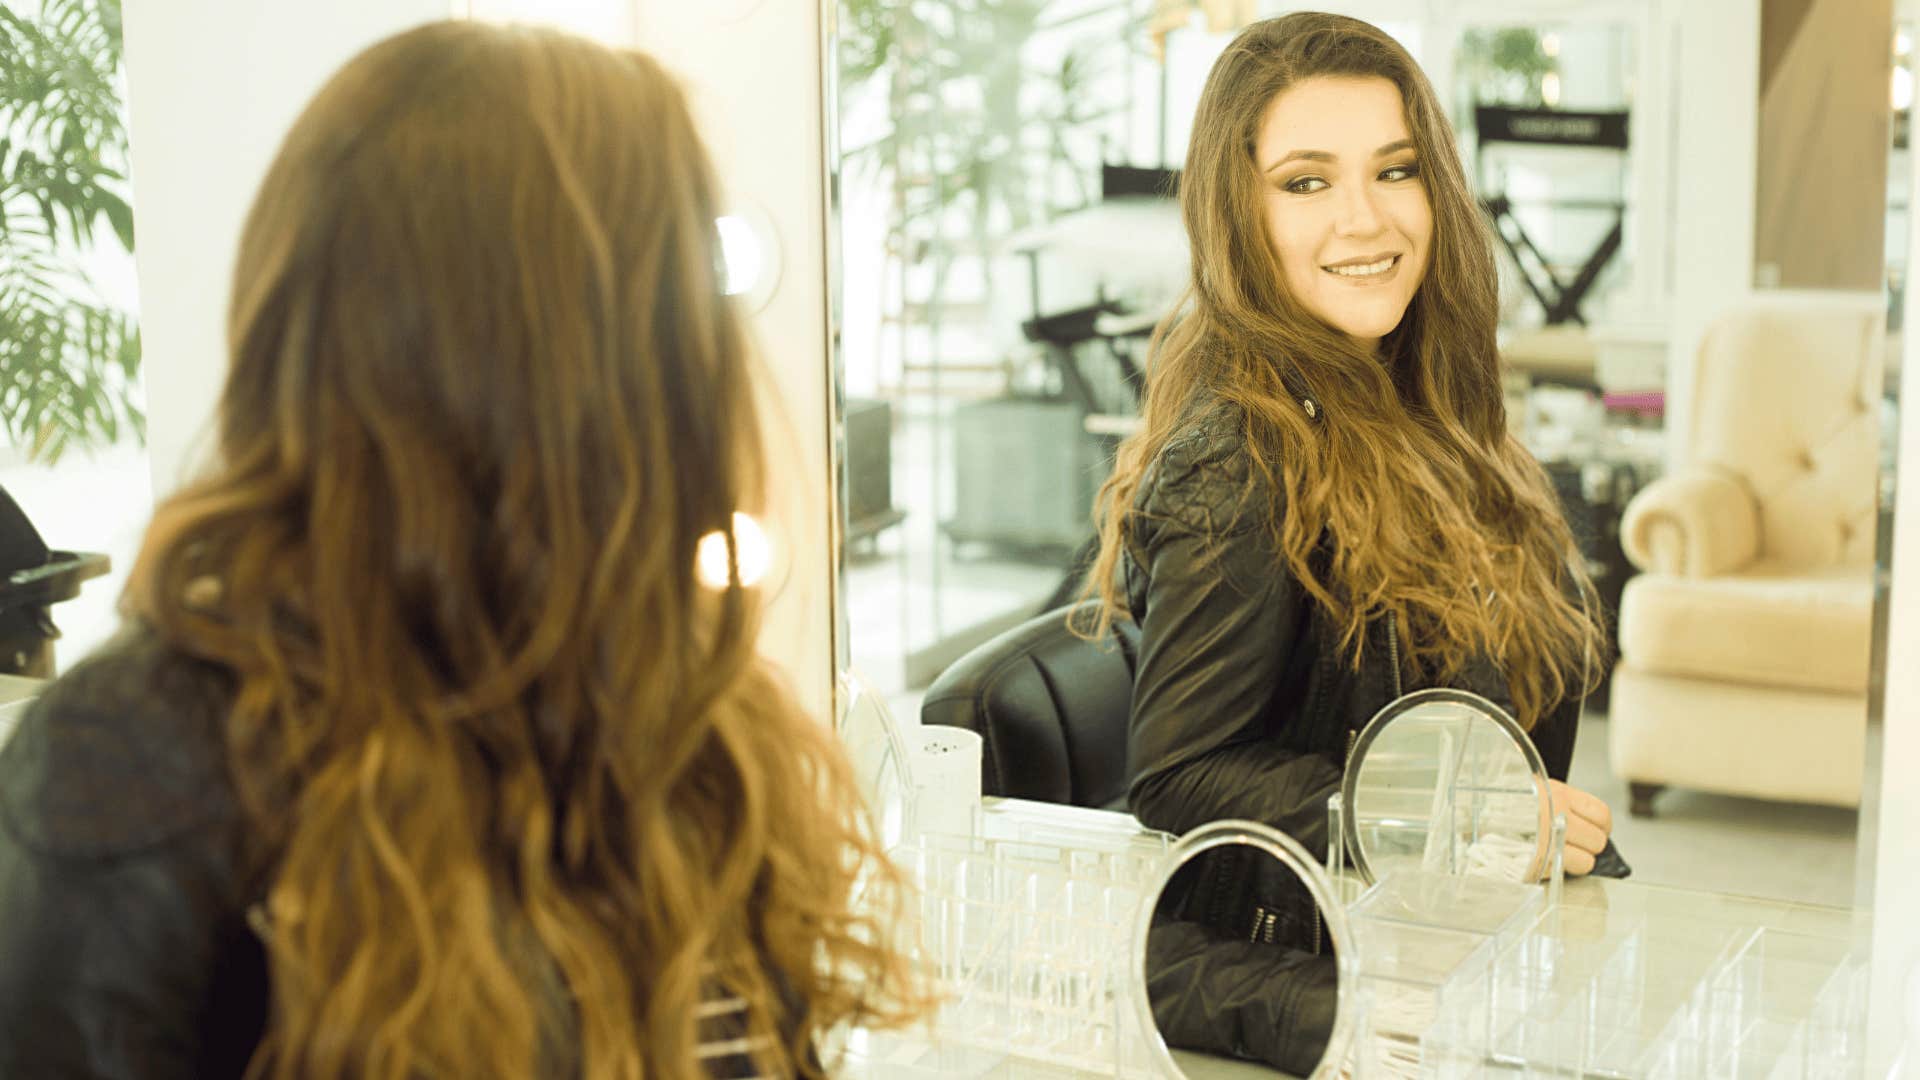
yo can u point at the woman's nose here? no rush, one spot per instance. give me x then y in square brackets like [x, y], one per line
[1359, 213]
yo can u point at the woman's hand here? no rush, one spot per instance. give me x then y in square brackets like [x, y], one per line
[1589, 823]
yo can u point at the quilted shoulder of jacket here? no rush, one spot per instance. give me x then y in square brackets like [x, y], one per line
[121, 753]
[1204, 479]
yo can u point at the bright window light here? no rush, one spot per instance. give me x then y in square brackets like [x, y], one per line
[1550, 90]
[752, 548]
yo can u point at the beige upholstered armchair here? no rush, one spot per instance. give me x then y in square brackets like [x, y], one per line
[1744, 643]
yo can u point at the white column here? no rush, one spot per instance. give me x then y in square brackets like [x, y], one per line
[212, 85]
[753, 70]
[1715, 100]
[1896, 877]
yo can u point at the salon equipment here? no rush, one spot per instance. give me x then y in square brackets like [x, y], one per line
[1050, 706]
[33, 578]
[1604, 132]
[1025, 473]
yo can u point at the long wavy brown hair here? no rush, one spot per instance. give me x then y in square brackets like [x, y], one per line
[1436, 513]
[523, 798]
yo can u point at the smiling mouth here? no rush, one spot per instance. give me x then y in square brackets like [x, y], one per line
[1366, 270]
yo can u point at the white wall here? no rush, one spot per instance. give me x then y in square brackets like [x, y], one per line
[753, 72]
[212, 86]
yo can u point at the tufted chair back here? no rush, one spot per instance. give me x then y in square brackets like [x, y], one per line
[1786, 400]
[1050, 707]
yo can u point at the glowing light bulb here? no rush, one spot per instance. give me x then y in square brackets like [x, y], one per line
[751, 548]
[1550, 89]
[740, 249]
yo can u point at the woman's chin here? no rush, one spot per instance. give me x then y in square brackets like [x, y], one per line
[1366, 331]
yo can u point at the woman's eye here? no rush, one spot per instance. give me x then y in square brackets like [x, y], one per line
[1305, 185]
[1401, 172]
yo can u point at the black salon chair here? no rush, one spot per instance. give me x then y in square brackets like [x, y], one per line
[1050, 707]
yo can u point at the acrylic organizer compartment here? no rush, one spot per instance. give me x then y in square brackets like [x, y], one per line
[1784, 1006]
[1027, 940]
[1584, 995]
[1429, 945]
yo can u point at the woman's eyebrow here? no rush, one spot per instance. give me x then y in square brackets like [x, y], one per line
[1323, 156]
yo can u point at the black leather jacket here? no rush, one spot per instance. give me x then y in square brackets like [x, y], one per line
[126, 948]
[1244, 703]
[124, 944]
[1244, 706]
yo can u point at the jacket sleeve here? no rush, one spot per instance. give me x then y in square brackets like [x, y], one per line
[112, 932]
[1223, 624]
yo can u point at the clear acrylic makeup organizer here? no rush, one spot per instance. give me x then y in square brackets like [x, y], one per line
[1028, 928]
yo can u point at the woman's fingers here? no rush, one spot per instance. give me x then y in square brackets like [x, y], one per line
[1578, 861]
[1589, 823]
[1579, 806]
[1585, 836]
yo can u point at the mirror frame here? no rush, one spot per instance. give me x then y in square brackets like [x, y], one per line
[1273, 842]
[1398, 707]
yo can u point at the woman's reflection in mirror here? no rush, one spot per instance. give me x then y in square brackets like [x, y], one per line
[1237, 964]
[1324, 509]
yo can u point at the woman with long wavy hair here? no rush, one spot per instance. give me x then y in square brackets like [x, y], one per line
[1325, 509]
[425, 752]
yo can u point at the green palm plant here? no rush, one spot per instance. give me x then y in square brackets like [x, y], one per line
[69, 360]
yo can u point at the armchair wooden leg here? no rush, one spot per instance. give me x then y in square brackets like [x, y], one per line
[1642, 797]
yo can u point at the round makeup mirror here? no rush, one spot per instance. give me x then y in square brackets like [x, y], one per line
[1444, 781]
[1243, 964]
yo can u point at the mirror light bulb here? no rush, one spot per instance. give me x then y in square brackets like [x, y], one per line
[740, 250]
[752, 549]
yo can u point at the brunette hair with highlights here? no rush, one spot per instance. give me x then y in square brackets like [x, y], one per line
[1436, 513]
[521, 797]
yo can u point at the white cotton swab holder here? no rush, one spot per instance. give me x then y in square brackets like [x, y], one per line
[945, 763]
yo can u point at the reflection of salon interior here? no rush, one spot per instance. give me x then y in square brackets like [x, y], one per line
[1693, 350]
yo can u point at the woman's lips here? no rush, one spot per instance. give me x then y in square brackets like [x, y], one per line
[1365, 274]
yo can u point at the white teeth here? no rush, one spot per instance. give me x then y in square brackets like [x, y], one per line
[1364, 270]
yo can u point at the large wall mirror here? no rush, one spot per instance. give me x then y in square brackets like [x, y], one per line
[1006, 243]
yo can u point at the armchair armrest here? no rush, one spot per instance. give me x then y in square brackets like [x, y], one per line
[1698, 522]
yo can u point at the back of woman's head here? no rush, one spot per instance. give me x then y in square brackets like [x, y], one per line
[519, 791]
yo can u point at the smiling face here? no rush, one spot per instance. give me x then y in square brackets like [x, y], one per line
[1345, 208]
